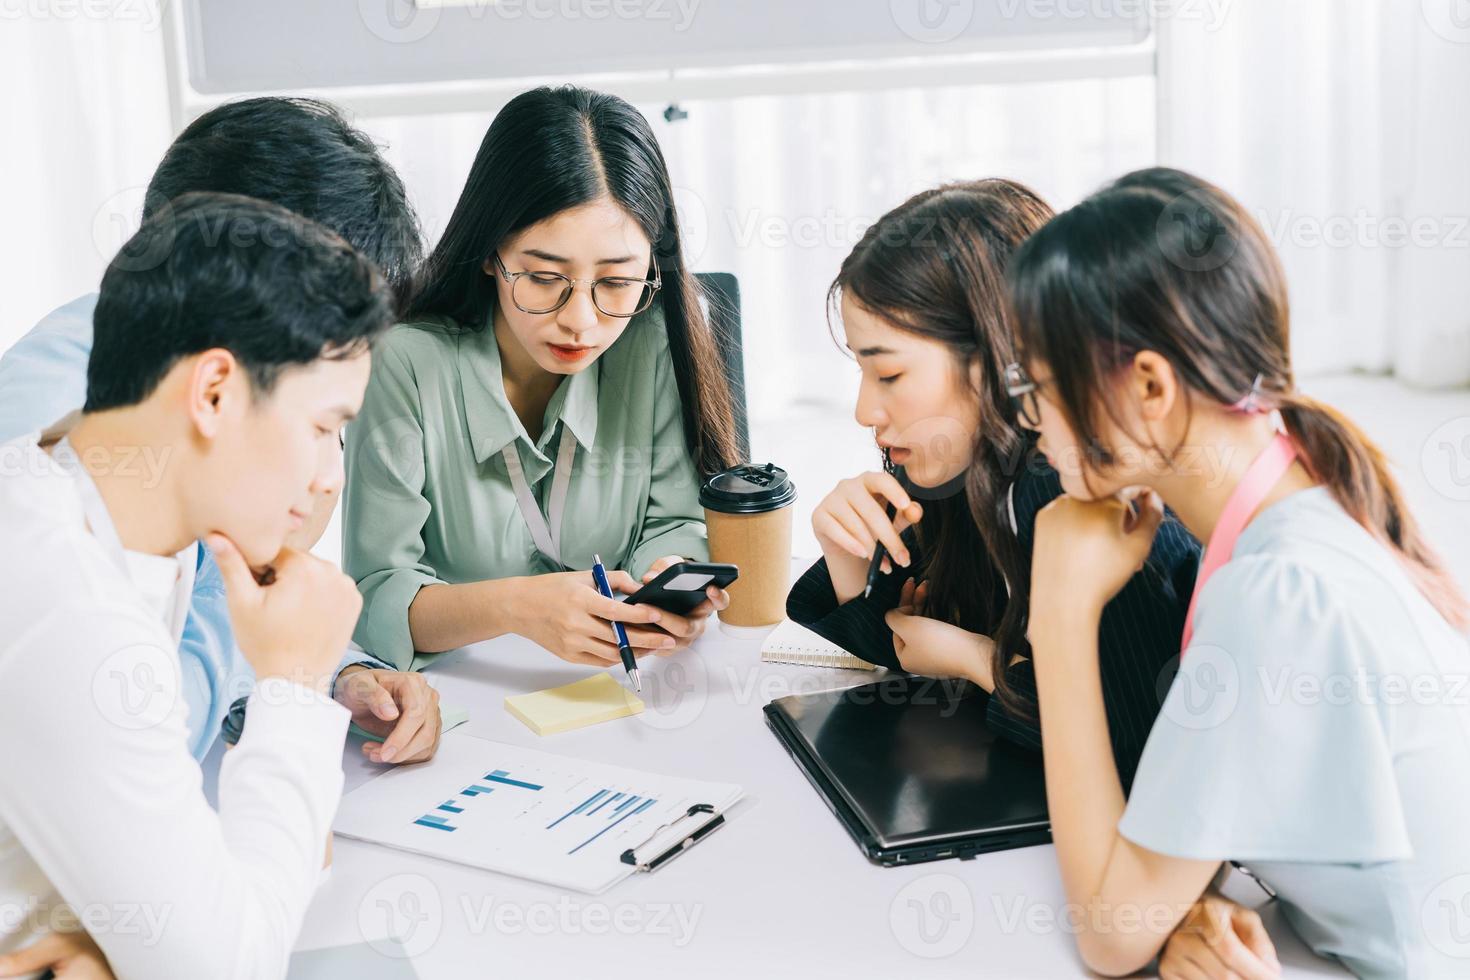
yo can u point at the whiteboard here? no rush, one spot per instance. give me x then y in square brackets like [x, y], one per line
[270, 45]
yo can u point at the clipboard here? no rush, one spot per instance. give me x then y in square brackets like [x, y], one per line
[674, 838]
[567, 822]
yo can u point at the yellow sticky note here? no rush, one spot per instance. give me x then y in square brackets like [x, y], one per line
[586, 702]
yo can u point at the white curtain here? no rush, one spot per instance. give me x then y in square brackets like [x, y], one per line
[1345, 128]
[84, 121]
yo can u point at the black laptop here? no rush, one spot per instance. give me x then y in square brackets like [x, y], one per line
[910, 768]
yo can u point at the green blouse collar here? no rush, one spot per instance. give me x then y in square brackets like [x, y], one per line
[493, 423]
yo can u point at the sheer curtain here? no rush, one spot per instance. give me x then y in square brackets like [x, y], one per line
[85, 120]
[1345, 128]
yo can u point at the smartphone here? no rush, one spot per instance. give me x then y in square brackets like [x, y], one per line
[681, 587]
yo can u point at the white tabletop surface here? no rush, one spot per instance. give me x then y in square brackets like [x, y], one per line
[781, 891]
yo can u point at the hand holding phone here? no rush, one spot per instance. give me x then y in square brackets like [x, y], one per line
[681, 587]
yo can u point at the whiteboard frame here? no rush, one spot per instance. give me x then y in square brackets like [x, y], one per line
[488, 95]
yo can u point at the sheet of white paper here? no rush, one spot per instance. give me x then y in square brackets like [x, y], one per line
[550, 818]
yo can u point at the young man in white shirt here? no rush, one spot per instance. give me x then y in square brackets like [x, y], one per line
[232, 342]
[307, 157]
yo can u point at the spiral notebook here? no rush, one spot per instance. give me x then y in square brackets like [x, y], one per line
[792, 643]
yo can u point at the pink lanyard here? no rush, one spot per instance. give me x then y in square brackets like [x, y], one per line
[1259, 480]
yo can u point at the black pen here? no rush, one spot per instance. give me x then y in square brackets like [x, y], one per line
[599, 575]
[879, 553]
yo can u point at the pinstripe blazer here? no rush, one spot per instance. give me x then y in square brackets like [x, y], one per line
[1138, 642]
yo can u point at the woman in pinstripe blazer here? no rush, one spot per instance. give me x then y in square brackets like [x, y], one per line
[922, 305]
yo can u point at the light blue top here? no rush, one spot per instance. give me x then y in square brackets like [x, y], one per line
[1319, 733]
[43, 378]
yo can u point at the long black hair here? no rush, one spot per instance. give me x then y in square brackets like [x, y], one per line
[935, 266]
[552, 149]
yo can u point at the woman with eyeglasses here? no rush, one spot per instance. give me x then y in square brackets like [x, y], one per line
[555, 394]
[922, 306]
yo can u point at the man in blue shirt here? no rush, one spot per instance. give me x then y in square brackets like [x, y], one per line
[302, 155]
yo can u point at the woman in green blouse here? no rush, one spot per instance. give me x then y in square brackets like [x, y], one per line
[555, 394]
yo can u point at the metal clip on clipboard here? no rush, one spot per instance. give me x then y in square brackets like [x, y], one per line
[674, 838]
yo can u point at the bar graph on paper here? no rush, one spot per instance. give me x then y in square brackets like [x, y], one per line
[523, 812]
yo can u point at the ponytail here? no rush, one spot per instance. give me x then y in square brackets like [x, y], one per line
[1341, 457]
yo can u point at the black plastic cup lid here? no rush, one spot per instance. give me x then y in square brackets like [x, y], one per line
[751, 488]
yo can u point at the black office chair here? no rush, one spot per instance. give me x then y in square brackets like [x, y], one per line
[722, 296]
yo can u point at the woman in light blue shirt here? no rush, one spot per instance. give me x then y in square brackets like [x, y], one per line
[1317, 730]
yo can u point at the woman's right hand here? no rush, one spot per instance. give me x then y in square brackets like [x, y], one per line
[564, 612]
[851, 521]
[1218, 940]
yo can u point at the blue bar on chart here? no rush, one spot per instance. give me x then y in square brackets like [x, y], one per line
[438, 823]
[611, 799]
[631, 813]
[625, 804]
[475, 790]
[501, 776]
[449, 806]
[579, 808]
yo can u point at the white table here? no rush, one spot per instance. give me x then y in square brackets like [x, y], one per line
[781, 891]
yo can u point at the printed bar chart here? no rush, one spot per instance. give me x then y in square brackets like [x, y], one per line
[500, 776]
[555, 819]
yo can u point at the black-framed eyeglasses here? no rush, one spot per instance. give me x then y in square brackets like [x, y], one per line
[547, 292]
[1022, 391]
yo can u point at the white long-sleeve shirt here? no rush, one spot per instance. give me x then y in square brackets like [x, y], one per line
[103, 819]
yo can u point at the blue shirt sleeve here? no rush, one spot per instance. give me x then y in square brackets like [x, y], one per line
[215, 672]
[44, 375]
[1239, 764]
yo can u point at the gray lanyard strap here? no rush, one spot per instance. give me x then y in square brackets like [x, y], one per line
[545, 530]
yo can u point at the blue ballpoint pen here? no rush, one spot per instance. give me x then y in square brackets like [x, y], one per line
[599, 575]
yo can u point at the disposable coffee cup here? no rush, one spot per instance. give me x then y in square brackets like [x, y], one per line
[748, 511]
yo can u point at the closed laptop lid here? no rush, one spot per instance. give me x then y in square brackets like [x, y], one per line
[913, 758]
